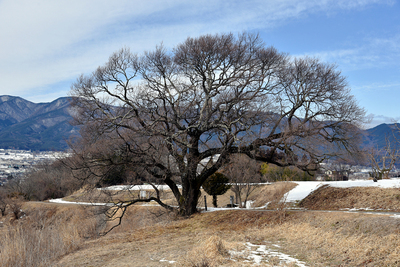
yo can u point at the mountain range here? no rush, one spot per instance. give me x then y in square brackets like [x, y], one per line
[47, 126]
[38, 127]
[381, 135]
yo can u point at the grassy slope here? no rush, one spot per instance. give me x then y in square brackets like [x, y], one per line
[148, 235]
[320, 239]
[361, 198]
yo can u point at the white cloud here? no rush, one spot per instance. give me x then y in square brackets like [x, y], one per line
[380, 86]
[375, 120]
[346, 4]
[45, 42]
[371, 53]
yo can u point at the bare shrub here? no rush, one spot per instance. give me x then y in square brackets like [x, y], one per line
[244, 174]
[3, 202]
[15, 206]
[211, 252]
[273, 173]
[46, 181]
[383, 160]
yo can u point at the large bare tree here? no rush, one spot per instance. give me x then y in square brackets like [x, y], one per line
[179, 114]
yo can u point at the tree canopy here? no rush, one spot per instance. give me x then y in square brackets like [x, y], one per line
[179, 114]
[215, 185]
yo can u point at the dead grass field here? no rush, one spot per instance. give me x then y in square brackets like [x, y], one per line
[362, 198]
[44, 233]
[317, 238]
[149, 236]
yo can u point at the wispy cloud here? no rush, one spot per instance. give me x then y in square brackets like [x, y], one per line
[375, 120]
[371, 53]
[375, 86]
[45, 42]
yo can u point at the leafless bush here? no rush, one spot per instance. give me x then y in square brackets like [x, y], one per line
[244, 174]
[281, 204]
[15, 206]
[48, 180]
[3, 202]
[383, 160]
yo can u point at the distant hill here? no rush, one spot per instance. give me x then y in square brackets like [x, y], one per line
[376, 137]
[31, 126]
[46, 126]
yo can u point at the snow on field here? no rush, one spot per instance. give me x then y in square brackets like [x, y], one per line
[261, 254]
[136, 187]
[303, 189]
[62, 201]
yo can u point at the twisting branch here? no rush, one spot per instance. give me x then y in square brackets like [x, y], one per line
[208, 98]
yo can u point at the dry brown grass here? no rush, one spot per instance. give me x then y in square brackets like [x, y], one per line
[211, 252]
[273, 194]
[318, 238]
[151, 237]
[337, 239]
[262, 195]
[332, 198]
[44, 234]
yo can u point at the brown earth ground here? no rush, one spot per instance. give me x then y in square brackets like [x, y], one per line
[151, 237]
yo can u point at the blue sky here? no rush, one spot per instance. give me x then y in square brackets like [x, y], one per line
[46, 44]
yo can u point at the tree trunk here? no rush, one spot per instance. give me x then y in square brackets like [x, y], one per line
[215, 201]
[238, 195]
[188, 202]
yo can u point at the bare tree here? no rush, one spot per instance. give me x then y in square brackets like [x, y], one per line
[213, 96]
[383, 160]
[341, 170]
[244, 175]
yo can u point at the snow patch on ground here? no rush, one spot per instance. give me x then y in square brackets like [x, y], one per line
[164, 260]
[62, 201]
[212, 209]
[137, 187]
[302, 190]
[261, 254]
